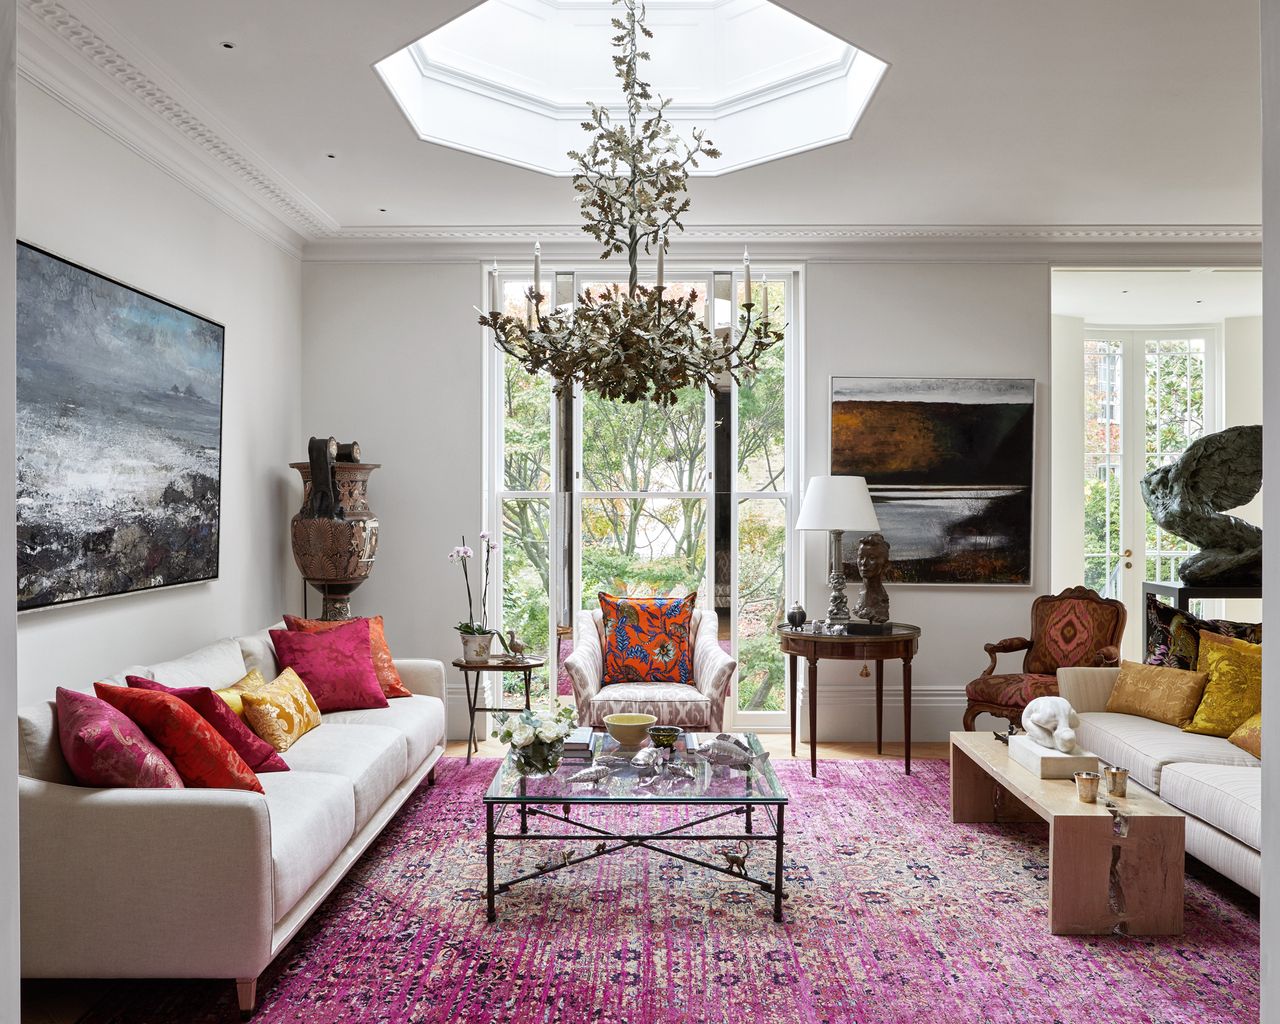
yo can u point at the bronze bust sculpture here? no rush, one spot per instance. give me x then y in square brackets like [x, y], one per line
[873, 559]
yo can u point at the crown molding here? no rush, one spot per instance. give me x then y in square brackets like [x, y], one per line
[90, 75]
[1080, 245]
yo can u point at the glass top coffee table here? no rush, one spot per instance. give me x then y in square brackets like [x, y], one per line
[711, 792]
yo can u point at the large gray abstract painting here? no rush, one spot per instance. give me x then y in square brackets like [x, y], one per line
[119, 437]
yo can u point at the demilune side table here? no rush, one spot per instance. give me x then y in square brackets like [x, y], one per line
[471, 673]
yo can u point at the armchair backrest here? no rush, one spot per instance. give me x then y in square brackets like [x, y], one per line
[1069, 629]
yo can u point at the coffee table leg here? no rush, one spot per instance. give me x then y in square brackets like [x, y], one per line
[973, 791]
[813, 717]
[490, 913]
[777, 868]
[524, 820]
[749, 819]
[794, 698]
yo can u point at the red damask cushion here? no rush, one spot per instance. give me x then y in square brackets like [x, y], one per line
[383, 664]
[1070, 631]
[336, 665]
[104, 747]
[203, 758]
[258, 754]
[646, 639]
[1011, 691]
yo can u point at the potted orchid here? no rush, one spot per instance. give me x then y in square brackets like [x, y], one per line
[536, 738]
[477, 637]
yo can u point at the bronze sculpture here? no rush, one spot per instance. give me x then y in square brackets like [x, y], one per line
[873, 559]
[1189, 499]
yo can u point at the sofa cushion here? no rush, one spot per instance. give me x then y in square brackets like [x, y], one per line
[336, 665]
[280, 711]
[218, 664]
[372, 758]
[257, 651]
[419, 719]
[383, 664]
[1014, 690]
[1228, 797]
[39, 746]
[1145, 747]
[312, 818]
[671, 703]
[104, 747]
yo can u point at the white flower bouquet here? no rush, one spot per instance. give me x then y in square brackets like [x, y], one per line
[536, 738]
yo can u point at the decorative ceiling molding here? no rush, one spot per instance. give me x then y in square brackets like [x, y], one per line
[266, 189]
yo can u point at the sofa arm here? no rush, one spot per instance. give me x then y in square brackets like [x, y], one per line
[1087, 689]
[423, 676]
[144, 883]
[585, 666]
[713, 669]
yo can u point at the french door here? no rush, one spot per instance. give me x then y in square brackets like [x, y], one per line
[1149, 392]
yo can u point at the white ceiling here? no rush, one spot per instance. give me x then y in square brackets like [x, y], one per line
[1002, 112]
[1117, 298]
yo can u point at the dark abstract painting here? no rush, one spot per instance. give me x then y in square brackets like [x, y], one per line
[949, 463]
[119, 437]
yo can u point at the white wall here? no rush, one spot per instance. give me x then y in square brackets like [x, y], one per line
[394, 360]
[927, 320]
[9, 958]
[1242, 404]
[1067, 452]
[88, 198]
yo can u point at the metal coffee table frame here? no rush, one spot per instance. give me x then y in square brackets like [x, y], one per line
[609, 841]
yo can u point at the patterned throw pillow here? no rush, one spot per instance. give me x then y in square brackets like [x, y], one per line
[647, 639]
[203, 758]
[1234, 691]
[383, 664]
[103, 746]
[258, 754]
[1166, 645]
[1161, 694]
[336, 665]
[1249, 735]
[281, 711]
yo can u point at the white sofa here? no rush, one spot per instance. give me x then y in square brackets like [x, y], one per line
[1215, 783]
[700, 706]
[209, 883]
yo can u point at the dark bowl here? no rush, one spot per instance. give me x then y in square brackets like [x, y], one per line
[664, 735]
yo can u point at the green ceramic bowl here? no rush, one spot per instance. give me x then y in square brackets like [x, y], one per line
[664, 735]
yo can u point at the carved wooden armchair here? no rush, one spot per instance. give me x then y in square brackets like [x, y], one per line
[1074, 628]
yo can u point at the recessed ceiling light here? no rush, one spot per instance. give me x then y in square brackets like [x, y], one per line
[382, 209]
[228, 46]
[332, 156]
[1124, 291]
[1198, 301]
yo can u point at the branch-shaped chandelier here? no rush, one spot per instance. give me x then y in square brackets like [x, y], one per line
[634, 345]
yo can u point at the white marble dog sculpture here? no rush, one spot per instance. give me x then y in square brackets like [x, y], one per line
[1052, 722]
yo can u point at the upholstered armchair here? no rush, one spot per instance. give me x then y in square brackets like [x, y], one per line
[1076, 628]
[697, 706]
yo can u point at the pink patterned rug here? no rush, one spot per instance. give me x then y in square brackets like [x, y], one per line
[894, 915]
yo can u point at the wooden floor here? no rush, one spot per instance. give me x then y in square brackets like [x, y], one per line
[64, 1002]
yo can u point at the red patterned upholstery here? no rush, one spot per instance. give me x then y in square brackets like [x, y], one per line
[1076, 627]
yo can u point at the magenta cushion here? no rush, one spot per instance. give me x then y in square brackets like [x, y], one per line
[336, 665]
[103, 746]
[258, 754]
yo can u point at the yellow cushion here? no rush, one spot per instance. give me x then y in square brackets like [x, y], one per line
[1234, 691]
[1249, 735]
[231, 694]
[280, 711]
[1169, 695]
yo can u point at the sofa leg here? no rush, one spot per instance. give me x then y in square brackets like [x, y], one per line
[431, 776]
[247, 993]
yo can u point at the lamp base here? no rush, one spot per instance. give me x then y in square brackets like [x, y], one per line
[838, 604]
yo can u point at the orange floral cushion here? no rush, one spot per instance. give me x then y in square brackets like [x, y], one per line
[647, 639]
[384, 665]
[202, 757]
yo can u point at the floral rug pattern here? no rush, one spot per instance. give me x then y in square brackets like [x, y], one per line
[893, 916]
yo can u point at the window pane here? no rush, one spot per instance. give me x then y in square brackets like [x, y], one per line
[644, 447]
[762, 545]
[643, 547]
[762, 409]
[525, 575]
[1102, 465]
[526, 435]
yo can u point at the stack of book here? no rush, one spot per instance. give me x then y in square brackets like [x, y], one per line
[578, 743]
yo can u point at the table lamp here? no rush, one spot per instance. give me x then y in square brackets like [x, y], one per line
[837, 504]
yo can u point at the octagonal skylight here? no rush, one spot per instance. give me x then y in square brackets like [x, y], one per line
[510, 79]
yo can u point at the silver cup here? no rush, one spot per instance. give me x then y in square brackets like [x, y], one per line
[1087, 786]
[1117, 780]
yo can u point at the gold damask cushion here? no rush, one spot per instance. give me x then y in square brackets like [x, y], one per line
[1234, 691]
[231, 694]
[1168, 695]
[281, 711]
[1249, 735]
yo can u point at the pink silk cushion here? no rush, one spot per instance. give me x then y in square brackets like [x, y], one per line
[258, 754]
[103, 747]
[336, 665]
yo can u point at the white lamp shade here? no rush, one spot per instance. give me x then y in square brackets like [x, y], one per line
[838, 503]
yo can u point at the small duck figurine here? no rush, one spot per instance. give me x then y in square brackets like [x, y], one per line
[516, 648]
